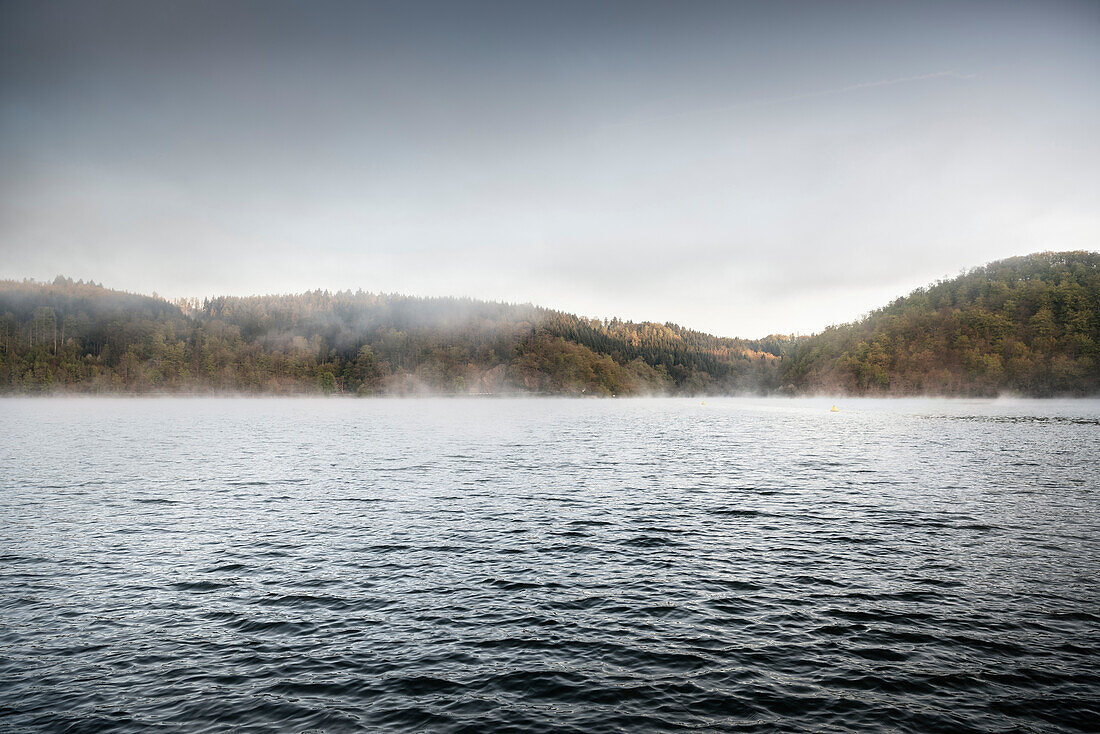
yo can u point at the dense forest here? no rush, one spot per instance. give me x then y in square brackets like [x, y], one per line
[1028, 325]
[82, 337]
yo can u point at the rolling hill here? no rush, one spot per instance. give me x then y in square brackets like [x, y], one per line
[1027, 325]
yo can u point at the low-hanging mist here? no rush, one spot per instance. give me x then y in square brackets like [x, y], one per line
[1028, 325]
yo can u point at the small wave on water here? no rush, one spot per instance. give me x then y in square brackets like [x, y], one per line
[909, 569]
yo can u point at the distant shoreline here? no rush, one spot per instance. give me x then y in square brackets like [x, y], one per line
[1023, 326]
[521, 396]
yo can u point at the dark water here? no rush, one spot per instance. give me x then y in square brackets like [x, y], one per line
[549, 565]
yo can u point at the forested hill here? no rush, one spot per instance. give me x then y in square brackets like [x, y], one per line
[1028, 325]
[80, 336]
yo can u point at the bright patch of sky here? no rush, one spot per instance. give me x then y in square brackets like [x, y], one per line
[742, 169]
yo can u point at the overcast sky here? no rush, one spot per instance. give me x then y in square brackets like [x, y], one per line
[738, 168]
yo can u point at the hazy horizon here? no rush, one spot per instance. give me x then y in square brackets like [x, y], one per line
[739, 169]
[547, 306]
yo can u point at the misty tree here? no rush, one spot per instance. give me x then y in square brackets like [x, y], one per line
[1030, 325]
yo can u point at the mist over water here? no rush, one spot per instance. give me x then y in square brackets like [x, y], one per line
[534, 565]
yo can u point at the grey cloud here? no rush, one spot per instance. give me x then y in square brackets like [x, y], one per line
[740, 168]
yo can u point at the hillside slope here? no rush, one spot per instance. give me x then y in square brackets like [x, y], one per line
[1028, 325]
[80, 336]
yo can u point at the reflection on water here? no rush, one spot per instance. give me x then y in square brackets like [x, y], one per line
[528, 565]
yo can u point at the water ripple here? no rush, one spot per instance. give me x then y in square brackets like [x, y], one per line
[537, 565]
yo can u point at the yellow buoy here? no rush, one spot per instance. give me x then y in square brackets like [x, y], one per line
[834, 409]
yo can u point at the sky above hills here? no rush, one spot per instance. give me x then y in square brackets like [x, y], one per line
[738, 168]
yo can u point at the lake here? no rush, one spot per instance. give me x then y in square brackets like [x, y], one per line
[535, 565]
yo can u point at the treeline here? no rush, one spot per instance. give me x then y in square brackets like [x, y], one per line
[79, 336]
[1027, 325]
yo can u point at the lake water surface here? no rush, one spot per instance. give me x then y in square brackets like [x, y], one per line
[549, 565]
